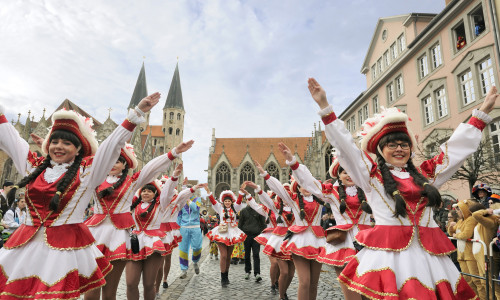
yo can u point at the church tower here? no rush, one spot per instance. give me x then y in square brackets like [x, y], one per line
[140, 91]
[173, 113]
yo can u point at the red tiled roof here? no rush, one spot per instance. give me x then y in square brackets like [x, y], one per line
[156, 131]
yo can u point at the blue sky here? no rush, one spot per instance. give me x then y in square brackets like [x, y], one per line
[243, 64]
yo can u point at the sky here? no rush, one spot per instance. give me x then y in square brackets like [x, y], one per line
[243, 65]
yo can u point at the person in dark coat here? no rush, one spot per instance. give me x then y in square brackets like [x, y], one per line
[4, 204]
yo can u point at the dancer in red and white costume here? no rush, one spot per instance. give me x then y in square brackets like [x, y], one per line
[147, 211]
[273, 246]
[111, 220]
[53, 254]
[226, 234]
[351, 211]
[404, 255]
[305, 238]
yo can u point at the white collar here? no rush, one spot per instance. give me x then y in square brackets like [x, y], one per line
[399, 172]
[308, 199]
[53, 173]
[351, 190]
[112, 179]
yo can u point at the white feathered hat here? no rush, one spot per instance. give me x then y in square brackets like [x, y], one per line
[128, 153]
[227, 194]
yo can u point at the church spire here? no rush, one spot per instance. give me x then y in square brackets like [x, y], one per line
[174, 97]
[140, 90]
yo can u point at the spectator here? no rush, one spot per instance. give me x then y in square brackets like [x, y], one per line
[328, 220]
[252, 224]
[452, 221]
[4, 204]
[15, 216]
[481, 192]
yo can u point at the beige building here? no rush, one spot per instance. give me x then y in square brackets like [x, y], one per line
[437, 69]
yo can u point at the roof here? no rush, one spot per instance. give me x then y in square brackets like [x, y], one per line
[174, 97]
[67, 104]
[259, 149]
[156, 131]
[140, 90]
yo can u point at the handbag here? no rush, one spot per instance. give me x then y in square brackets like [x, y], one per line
[223, 228]
[335, 236]
[134, 243]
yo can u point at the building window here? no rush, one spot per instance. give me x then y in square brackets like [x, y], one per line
[459, 36]
[247, 173]
[379, 66]
[360, 117]
[442, 106]
[477, 20]
[436, 56]
[223, 174]
[170, 130]
[178, 116]
[375, 105]
[495, 141]
[177, 131]
[171, 116]
[401, 43]
[328, 160]
[486, 75]
[273, 170]
[353, 123]
[428, 113]
[394, 52]
[348, 125]
[387, 61]
[365, 112]
[390, 92]
[154, 142]
[399, 86]
[467, 87]
[374, 73]
[423, 70]
[164, 116]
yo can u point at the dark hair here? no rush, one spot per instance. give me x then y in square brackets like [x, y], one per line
[67, 178]
[391, 185]
[300, 197]
[476, 206]
[342, 196]
[108, 191]
[152, 188]
[454, 215]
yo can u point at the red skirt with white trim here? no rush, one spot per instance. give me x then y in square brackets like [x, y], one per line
[147, 246]
[114, 243]
[412, 273]
[340, 254]
[233, 236]
[37, 271]
[264, 236]
[273, 247]
[169, 242]
[306, 244]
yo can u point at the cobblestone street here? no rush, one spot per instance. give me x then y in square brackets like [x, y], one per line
[206, 285]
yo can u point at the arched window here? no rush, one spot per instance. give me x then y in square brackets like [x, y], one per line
[154, 142]
[223, 174]
[170, 130]
[177, 131]
[171, 116]
[328, 160]
[247, 173]
[164, 116]
[178, 116]
[273, 170]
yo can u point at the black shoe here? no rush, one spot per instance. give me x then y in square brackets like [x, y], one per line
[223, 282]
[165, 285]
[242, 261]
[276, 285]
[258, 278]
[227, 278]
[286, 297]
[273, 290]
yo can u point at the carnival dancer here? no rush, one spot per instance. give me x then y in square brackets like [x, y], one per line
[227, 234]
[282, 277]
[147, 255]
[111, 220]
[53, 254]
[404, 255]
[348, 205]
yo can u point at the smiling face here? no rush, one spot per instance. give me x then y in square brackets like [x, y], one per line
[147, 195]
[397, 153]
[21, 204]
[118, 167]
[227, 202]
[345, 178]
[62, 151]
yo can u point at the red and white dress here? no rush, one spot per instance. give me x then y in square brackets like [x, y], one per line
[53, 254]
[404, 257]
[233, 235]
[352, 220]
[308, 236]
[111, 220]
[148, 229]
[263, 210]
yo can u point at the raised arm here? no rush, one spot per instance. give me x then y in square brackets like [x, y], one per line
[186, 194]
[109, 150]
[275, 186]
[161, 163]
[15, 146]
[265, 199]
[355, 161]
[215, 204]
[250, 200]
[167, 192]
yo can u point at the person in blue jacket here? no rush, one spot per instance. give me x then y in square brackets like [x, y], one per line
[189, 221]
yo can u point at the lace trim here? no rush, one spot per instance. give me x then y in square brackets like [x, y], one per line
[308, 199]
[398, 171]
[112, 179]
[52, 174]
[351, 190]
